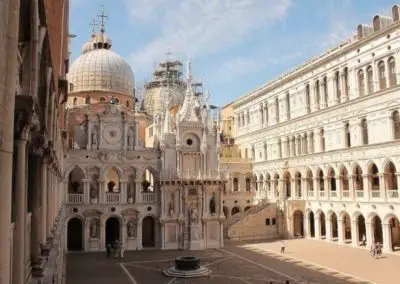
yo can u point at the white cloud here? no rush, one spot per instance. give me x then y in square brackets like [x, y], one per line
[237, 67]
[196, 28]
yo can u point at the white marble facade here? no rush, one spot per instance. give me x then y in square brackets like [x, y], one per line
[167, 195]
[324, 139]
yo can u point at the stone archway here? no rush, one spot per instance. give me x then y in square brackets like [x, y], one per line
[346, 223]
[361, 229]
[322, 224]
[247, 208]
[75, 235]
[112, 230]
[311, 226]
[298, 224]
[235, 210]
[377, 229]
[394, 233]
[148, 232]
[334, 226]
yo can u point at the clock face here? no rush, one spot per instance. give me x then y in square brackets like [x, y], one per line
[112, 134]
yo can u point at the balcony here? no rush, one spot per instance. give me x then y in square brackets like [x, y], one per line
[333, 194]
[149, 197]
[360, 193]
[310, 193]
[75, 198]
[322, 194]
[346, 194]
[112, 197]
[393, 194]
[189, 174]
[375, 194]
[234, 160]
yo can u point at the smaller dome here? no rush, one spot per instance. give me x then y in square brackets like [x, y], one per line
[87, 46]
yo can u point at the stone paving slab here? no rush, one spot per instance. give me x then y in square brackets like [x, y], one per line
[351, 264]
[229, 265]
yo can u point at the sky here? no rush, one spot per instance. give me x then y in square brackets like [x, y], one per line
[234, 45]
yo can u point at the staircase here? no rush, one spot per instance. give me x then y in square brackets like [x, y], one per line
[238, 217]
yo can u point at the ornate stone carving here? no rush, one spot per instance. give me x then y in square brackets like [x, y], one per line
[131, 228]
[94, 186]
[213, 204]
[193, 215]
[95, 229]
[94, 136]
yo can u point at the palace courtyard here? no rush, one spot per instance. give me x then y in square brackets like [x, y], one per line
[304, 262]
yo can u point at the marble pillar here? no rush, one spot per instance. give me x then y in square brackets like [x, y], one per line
[35, 227]
[43, 205]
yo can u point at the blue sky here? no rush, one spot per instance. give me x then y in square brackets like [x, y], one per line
[235, 45]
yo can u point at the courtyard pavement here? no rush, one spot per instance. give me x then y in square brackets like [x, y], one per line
[232, 264]
[356, 263]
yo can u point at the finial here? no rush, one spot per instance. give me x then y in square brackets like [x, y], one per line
[189, 71]
[102, 19]
[93, 25]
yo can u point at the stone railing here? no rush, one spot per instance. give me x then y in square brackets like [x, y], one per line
[346, 194]
[393, 194]
[149, 197]
[112, 197]
[189, 174]
[375, 194]
[75, 198]
[253, 210]
[360, 193]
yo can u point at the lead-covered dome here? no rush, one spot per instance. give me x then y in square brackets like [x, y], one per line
[100, 69]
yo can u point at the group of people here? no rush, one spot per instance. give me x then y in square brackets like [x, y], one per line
[116, 249]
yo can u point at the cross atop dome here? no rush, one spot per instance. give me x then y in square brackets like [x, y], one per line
[103, 18]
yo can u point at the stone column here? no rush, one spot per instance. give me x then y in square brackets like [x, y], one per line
[20, 214]
[35, 197]
[369, 228]
[43, 205]
[139, 235]
[317, 226]
[366, 185]
[306, 225]
[344, 82]
[285, 150]
[328, 225]
[341, 230]
[387, 69]
[354, 233]
[49, 201]
[138, 191]
[387, 237]
[9, 21]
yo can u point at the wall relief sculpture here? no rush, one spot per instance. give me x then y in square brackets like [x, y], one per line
[95, 229]
[131, 229]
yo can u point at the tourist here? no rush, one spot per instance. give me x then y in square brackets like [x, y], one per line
[282, 247]
[108, 248]
[372, 250]
[121, 250]
[116, 249]
[378, 250]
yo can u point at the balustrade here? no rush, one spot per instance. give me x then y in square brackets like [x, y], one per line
[393, 194]
[75, 198]
[333, 194]
[322, 194]
[346, 194]
[112, 197]
[375, 194]
[149, 197]
[310, 193]
[360, 193]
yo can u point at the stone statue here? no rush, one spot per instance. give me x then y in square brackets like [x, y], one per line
[193, 215]
[212, 204]
[94, 229]
[94, 186]
[171, 209]
[94, 138]
[130, 139]
[131, 229]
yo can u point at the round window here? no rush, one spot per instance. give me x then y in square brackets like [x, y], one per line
[189, 142]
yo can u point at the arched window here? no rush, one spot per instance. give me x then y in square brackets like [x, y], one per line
[75, 101]
[346, 80]
[370, 80]
[382, 75]
[279, 148]
[337, 86]
[265, 151]
[392, 72]
[253, 153]
[347, 133]
[248, 184]
[317, 94]
[361, 83]
[266, 114]
[322, 140]
[245, 153]
[116, 100]
[277, 109]
[87, 100]
[287, 106]
[308, 98]
[235, 184]
[262, 114]
[102, 99]
[326, 89]
[364, 129]
[127, 103]
[396, 124]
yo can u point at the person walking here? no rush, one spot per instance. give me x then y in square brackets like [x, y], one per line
[378, 249]
[372, 250]
[108, 248]
[282, 247]
[121, 250]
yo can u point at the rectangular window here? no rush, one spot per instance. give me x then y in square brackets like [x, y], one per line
[267, 222]
[273, 221]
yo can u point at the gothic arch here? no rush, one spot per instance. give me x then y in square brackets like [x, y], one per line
[371, 216]
[71, 168]
[116, 168]
[155, 217]
[389, 216]
[386, 162]
[77, 216]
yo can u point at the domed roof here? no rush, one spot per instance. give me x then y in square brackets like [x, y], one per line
[100, 69]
